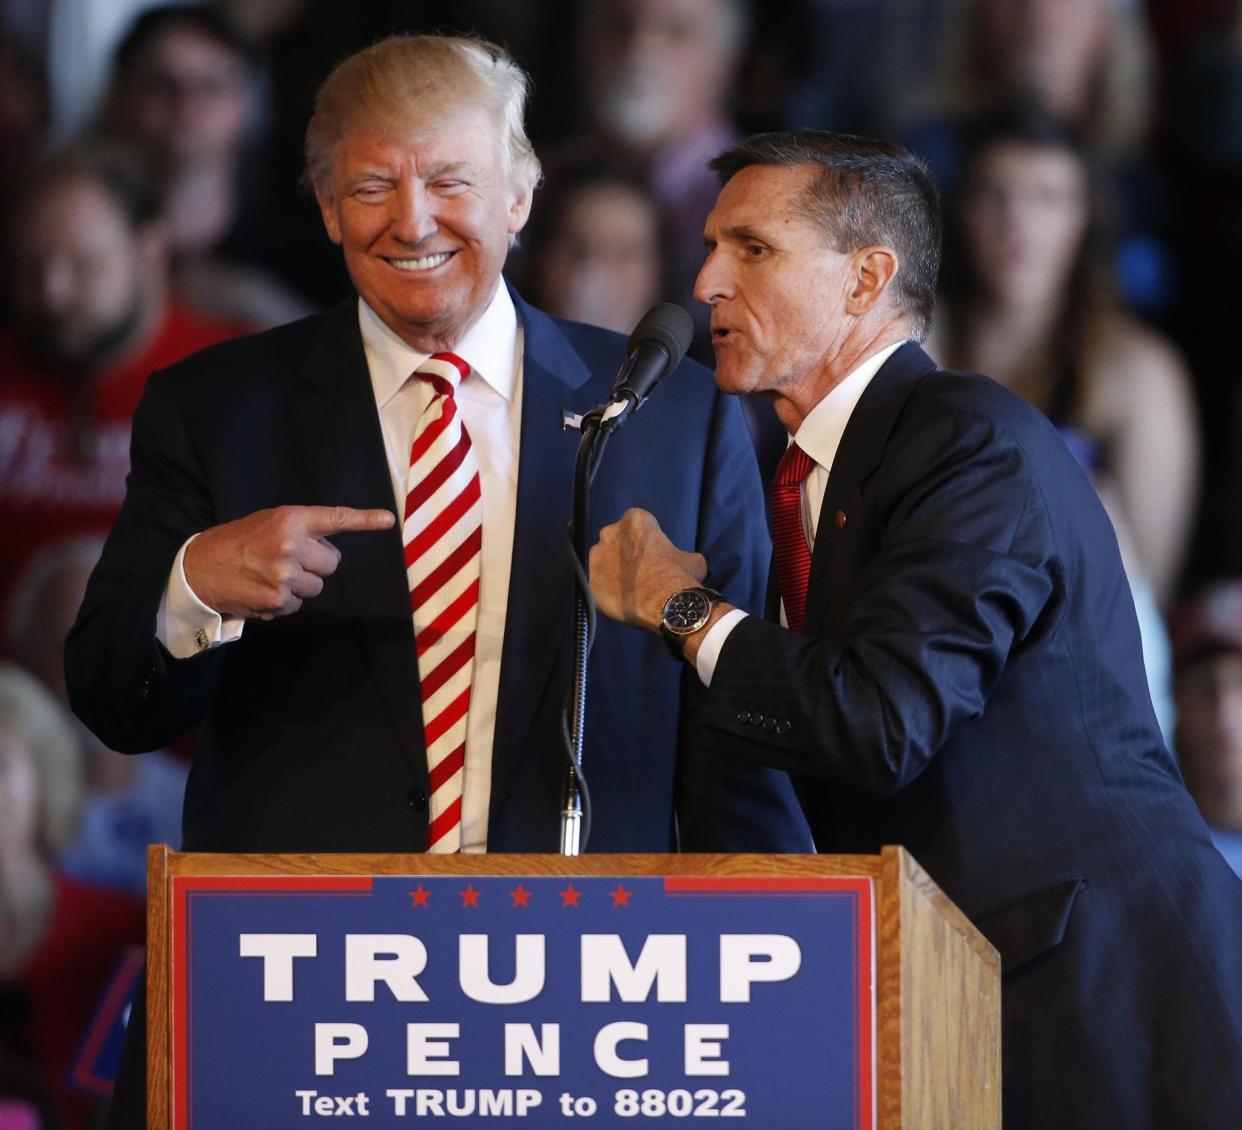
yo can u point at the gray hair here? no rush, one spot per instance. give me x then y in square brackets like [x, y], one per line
[867, 192]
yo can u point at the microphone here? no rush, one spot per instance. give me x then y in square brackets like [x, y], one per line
[655, 348]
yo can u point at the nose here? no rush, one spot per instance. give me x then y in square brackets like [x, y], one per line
[713, 284]
[50, 282]
[413, 218]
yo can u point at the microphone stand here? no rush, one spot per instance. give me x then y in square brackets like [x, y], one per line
[597, 426]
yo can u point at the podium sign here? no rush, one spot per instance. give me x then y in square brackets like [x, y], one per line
[523, 1000]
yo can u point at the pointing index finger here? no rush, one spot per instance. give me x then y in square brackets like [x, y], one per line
[322, 521]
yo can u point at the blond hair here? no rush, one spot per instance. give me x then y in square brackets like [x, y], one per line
[44, 732]
[410, 79]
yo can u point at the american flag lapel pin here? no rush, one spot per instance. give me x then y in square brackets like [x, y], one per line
[840, 519]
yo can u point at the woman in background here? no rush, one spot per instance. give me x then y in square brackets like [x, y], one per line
[59, 939]
[1027, 298]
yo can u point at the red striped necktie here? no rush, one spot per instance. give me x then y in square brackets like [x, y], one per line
[792, 554]
[443, 535]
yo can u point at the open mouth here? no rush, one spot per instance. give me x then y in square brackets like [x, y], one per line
[423, 262]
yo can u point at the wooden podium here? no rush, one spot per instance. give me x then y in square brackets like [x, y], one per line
[935, 1019]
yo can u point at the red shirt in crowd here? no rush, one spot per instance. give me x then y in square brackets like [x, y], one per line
[49, 489]
[63, 981]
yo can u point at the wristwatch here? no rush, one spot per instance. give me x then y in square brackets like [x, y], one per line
[685, 612]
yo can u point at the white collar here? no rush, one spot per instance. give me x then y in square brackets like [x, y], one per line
[820, 432]
[489, 346]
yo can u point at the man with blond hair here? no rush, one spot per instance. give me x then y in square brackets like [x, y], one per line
[258, 586]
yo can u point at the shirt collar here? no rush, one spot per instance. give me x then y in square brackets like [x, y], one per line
[489, 346]
[821, 431]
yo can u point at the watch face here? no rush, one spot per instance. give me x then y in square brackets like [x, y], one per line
[686, 611]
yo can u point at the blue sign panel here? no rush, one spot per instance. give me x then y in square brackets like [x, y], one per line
[524, 1002]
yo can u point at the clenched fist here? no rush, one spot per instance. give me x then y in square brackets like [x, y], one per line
[634, 569]
[266, 564]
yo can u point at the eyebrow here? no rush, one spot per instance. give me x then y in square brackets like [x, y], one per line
[364, 175]
[740, 233]
[448, 168]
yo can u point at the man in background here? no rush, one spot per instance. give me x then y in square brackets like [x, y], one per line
[1207, 690]
[91, 317]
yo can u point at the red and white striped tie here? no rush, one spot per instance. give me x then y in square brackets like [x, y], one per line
[443, 535]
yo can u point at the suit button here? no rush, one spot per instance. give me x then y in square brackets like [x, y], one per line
[416, 799]
[783, 727]
[743, 716]
[769, 724]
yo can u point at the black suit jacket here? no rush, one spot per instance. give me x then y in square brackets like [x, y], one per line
[310, 726]
[969, 684]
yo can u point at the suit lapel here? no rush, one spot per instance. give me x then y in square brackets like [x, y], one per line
[862, 446]
[538, 620]
[334, 412]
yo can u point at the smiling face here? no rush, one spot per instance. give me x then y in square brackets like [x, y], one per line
[777, 290]
[424, 219]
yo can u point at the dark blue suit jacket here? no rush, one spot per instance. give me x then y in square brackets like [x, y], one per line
[969, 684]
[310, 725]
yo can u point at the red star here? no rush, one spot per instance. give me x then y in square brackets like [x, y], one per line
[570, 896]
[621, 897]
[420, 895]
[520, 897]
[469, 897]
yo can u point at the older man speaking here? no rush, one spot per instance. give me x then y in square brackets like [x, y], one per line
[956, 666]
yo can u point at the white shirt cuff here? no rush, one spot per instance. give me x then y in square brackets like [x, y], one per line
[709, 649]
[184, 624]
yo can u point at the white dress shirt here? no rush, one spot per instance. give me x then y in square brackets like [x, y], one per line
[819, 436]
[490, 399]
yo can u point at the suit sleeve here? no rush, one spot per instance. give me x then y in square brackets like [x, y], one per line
[963, 572]
[729, 804]
[122, 683]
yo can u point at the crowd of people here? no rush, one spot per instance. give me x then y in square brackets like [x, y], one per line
[1090, 159]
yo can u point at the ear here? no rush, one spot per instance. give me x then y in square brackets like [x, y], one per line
[872, 271]
[519, 211]
[327, 209]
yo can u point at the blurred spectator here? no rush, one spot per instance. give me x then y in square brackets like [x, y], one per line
[59, 940]
[87, 261]
[1024, 300]
[656, 74]
[70, 41]
[1087, 62]
[1084, 61]
[185, 87]
[595, 251]
[1207, 637]
[130, 802]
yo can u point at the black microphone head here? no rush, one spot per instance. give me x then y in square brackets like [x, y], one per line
[668, 325]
